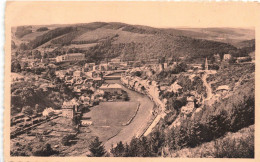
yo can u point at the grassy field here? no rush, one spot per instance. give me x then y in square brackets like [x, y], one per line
[108, 117]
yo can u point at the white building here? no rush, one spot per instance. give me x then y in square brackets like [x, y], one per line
[70, 57]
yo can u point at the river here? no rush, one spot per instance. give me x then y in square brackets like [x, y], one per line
[140, 122]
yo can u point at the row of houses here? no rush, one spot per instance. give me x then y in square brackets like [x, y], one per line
[70, 57]
[109, 66]
[147, 87]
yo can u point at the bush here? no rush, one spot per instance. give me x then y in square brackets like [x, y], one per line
[45, 150]
[96, 148]
[66, 140]
[42, 29]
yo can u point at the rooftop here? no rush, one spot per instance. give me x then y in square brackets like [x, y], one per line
[105, 86]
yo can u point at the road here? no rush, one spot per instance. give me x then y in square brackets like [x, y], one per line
[207, 85]
[139, 124]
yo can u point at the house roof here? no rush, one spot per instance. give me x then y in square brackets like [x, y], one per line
[223, 87]
[106, 86]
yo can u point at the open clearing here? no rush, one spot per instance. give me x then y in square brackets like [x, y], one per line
[108, 117]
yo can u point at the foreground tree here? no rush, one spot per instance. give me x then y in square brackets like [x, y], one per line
[119, 150]
[96, 148]
[44, 150]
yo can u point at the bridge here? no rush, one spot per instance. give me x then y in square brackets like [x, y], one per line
[113, 75]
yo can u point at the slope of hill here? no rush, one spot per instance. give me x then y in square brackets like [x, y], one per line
[241, 143]
[135, 42]
[233, 36]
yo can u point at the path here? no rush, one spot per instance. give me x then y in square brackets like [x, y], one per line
[208, 86]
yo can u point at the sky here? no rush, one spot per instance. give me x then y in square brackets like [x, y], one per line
[155, 14]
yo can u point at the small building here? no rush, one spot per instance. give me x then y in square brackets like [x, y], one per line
[69, 108]
[242, 59]
[50, 111]
[90, 67]
[189, 107]
[115, 60]
[77, 74]
[85, 122]
[175, 87]
[165, 65]
[70, 57]
[223, 88]
[227, 57]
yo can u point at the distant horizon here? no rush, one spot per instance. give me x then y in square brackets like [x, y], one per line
[153, 14]
[162, 27]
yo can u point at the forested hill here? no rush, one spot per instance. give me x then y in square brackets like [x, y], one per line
[101, 40]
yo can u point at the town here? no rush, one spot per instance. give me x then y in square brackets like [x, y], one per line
[72, 102]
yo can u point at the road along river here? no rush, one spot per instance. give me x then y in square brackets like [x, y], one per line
[139, 123]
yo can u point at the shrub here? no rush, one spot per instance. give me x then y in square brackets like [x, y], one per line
[42, 29]
[45, 150]
[66, 140]
[96, 148]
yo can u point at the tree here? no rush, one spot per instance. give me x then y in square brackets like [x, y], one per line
[66, 140]
[27, 111]
[161, 60]
[181, 137]
[133, 149]
[144, 148]
[15, 67]
[96, 148]
[13, 46]
[119, 150]
[37, 54]
[44, 150]
[157, 141]
[23, 46]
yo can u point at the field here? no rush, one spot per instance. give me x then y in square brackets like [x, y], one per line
[108, 117]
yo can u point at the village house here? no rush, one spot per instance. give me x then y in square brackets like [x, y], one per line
[50, 111]
[189, 107]
[227, 57]
[77, 74]
[89, 67]
[86, 122]
[242, 59]
[69, 108]
[175, 87]
[115, 60]
[104, 67]
[222, 90]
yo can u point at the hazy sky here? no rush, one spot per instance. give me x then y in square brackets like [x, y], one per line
[156, 14]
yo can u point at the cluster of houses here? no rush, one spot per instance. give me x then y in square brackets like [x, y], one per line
[34, 63]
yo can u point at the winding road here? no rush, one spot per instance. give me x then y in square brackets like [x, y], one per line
[207, 85]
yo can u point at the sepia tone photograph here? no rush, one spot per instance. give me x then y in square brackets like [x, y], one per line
[122, 88]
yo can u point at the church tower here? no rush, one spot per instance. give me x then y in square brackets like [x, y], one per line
[206, 64]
